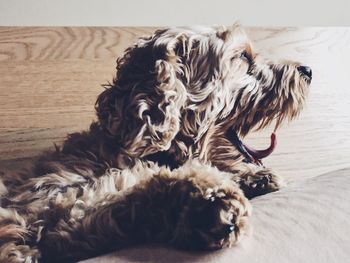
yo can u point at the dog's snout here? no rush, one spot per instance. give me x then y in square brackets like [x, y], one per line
[306, 71]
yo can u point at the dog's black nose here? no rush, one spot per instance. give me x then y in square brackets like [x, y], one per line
[306, 71]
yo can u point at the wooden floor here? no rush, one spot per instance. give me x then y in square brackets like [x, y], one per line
[50, 77]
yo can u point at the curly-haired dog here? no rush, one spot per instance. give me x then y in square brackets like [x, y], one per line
[163, 162]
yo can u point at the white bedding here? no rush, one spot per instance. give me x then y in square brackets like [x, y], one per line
[308, 221]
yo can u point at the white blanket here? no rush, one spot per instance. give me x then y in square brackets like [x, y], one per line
[308, 221]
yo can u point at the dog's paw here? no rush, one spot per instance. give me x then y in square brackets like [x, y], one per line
[261, 182]
[214, 217]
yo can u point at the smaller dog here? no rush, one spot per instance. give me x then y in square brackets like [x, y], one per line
[164, 162]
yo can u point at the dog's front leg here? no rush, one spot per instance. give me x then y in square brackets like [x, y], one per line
[193, 207]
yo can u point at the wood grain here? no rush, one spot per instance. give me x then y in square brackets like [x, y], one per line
[50, 77]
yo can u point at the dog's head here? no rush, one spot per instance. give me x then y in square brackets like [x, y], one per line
[185, 80]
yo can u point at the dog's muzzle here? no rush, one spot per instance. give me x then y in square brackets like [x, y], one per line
[306, 72]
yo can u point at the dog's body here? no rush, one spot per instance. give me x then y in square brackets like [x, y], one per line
[160, 164]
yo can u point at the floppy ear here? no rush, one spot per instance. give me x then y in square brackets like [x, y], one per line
[141, 109]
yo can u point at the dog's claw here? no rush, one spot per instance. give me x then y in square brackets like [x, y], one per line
[231, 228]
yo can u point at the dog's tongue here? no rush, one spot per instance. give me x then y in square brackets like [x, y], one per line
[260, 154]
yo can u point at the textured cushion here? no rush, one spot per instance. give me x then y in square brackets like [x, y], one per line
[308, 221]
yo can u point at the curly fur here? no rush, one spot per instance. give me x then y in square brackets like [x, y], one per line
[158, 165]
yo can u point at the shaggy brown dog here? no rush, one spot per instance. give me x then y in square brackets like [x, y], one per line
[164, 162]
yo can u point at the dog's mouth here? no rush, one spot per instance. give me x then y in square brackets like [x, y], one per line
[252, 155]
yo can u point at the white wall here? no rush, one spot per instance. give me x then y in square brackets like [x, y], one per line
[174, 12]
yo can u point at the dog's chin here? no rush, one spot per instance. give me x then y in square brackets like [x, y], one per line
[274, 121]
[260, 122]
[251, 154]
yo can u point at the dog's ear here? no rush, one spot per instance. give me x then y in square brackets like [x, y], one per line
[225, 33]
[141, 109]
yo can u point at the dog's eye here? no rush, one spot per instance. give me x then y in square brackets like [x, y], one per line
[247, 57]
